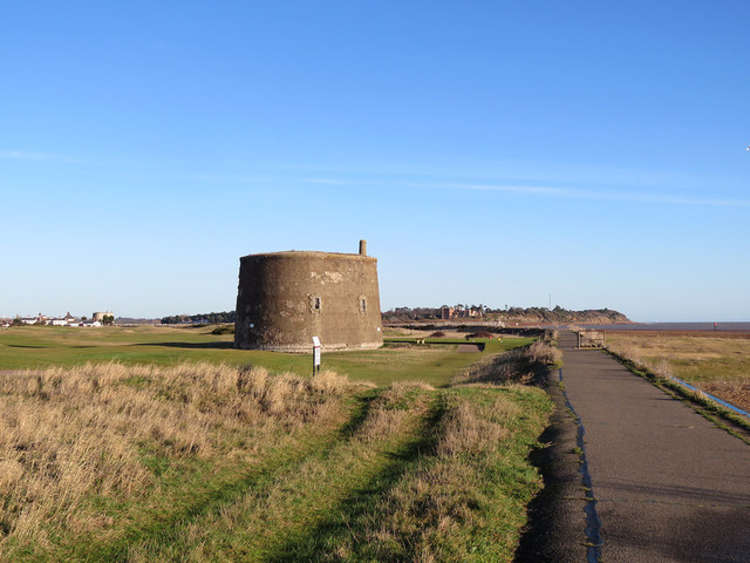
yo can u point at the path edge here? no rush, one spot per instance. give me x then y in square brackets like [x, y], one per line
[556, 517]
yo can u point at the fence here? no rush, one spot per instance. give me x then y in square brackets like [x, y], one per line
[591, 339]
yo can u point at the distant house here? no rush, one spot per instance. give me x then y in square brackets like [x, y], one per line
[461, 312]
[100, 315]
[39, 319]
[67, 320]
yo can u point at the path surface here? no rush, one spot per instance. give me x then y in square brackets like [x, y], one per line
[670, 486]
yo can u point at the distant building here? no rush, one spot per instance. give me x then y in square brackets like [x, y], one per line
[461, 312]
[99, 315]
[67, 320]
[39, 319]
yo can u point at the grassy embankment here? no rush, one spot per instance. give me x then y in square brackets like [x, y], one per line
[714, 362]
[40, 347]
[206, 462]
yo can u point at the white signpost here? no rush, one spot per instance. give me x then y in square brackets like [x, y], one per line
[316, 354]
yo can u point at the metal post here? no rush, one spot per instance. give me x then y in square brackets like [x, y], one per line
[316, 355]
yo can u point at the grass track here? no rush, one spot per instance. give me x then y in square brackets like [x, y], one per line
[161, 536]
[399, 472]
[306, 504]
[329, 504]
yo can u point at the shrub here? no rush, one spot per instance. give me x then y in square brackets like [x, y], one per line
[544, 353]
[480, 334]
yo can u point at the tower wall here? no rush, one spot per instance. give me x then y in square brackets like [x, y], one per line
[286, 298]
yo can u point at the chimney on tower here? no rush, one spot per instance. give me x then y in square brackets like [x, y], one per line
[363, 247]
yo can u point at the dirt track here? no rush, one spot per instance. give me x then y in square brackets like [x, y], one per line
[669, 485]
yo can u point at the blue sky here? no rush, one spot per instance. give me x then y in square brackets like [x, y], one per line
[490, 152]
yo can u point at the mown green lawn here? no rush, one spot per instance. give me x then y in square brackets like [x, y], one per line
[39, 347]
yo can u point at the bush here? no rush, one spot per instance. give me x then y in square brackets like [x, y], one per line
[544, 353]
[480, 334]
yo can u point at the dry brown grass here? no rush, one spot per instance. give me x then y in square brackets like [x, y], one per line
[499, 369]
[69, 435]
[390, 409]
[544, 353]
[204, 462]
[736, 392]
[522, 365]
[717, 363]
[465, 432]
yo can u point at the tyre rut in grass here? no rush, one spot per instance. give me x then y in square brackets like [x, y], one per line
[299, 502]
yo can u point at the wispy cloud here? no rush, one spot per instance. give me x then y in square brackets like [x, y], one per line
[593, 195]
[234, 179]
[328, 181]
[551, 192]
[522, 189]
[32, 155]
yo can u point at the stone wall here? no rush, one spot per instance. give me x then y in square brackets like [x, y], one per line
[286, 298]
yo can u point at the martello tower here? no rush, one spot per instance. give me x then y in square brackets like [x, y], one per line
[286, 298]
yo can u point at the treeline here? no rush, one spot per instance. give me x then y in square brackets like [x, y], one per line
[202, 318]
[543, 314]
[411, 313]
[560, 314]
[405, 314]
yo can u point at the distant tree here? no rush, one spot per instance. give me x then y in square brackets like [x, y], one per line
[17, 322]
[108, 320]
[201, 318]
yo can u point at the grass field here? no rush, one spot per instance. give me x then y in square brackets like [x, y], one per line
[716, 363]
[39, 347]
[206, 462]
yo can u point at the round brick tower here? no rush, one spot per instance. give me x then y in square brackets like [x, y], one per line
[286, 298]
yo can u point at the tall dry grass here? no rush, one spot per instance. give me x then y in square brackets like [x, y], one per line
[543, 353]
[659, 367]
[521, 365]
[69, 435]
[390, 409]
[700, 360]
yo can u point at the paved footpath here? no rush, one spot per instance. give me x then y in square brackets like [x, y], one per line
[669, 485]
